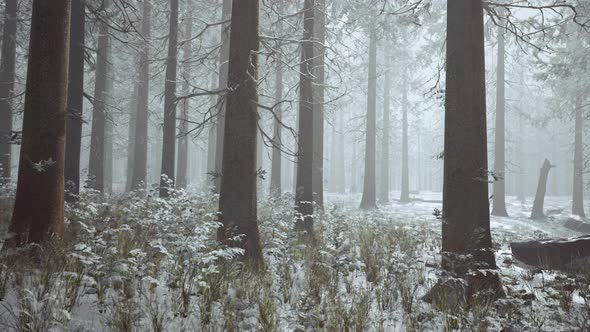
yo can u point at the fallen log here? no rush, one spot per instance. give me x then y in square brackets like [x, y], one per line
[578, 226]
[559, 254]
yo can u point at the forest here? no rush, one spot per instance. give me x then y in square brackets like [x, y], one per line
[294, 165]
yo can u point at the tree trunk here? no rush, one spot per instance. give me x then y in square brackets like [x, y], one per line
[538, 212]
[97, 136]
[132, 130]
[405, 190]
[275, 176]
[384, 182]
[182, 180]
[108, 139]
[226, 13]
[318, 106]
[237, 199]
[169, 129]
[578, 192]
[332, 181]
[353, 164]
[369, 200]
[304, 189]
[7, 68]
[521, 176]
[466, 226]
[341, 168]
[39, 207]
[499, 204]
[139, 180]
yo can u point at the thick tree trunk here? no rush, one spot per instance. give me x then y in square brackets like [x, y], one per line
[237, 199]
[7, 68]
[369, 199]
[405, 190]
[182, 180]
[304, 189]
[226, 13]
[578, 191]
[99, 116]
[39, 207]
[538, 212]
[384, 181]
[318, 106]
[167, 177]
[499, 203]
[139, 179]
[275, 176]
[466, 226]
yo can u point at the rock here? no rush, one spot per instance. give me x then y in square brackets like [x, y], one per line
[449, 294]
[484, 286]
[91, 291]
[354, 267]
[524, 295]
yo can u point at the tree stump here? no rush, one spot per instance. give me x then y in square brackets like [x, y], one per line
[537, 212]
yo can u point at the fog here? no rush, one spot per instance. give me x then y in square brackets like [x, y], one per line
[400, 145]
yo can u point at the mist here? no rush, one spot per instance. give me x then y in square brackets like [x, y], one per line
[311, 165]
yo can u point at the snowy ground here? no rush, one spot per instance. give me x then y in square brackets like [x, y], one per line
[134, 264]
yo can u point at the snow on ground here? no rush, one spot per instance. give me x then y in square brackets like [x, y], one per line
[137, 264]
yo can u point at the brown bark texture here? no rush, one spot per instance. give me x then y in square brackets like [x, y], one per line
[466, 218]
[304, 183]
[167, 176]
[7, 69]
[237, 198]
[38, 213]
[139, 174]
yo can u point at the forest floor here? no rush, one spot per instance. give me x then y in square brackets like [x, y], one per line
[130, 263]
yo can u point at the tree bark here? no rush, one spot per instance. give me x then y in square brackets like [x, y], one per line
[499, 204]
[384, 182]
[167, 176]
[560, 254]
[304, 186]
[318, 106]
[275, 176]
[341, 169]
[139, 179]
[332, 180]
[538, 212]
[132, 130]
[182, 180]
[237, 199]
[226, 14]
[99, 118]
[7, 69]
[405, 190]
[522, 174]
[108, 130]
[578, 186]
[466, 226]
[369, 199]
[39, 207]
